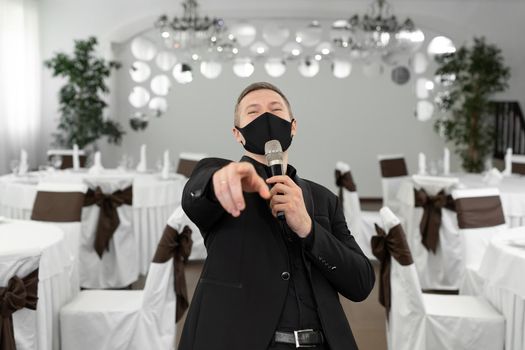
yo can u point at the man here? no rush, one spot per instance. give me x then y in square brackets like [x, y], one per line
[269, 283]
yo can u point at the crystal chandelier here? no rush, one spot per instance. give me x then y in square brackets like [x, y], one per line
[378, 32]
[190, 31]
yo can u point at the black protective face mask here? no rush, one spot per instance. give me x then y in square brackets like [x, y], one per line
[264, 128]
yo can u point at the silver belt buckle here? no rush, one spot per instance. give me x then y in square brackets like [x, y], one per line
[296, 336]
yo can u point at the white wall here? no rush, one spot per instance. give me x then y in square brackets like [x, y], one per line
[352, 119]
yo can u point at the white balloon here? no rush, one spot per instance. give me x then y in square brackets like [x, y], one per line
[419, 63]
[422, 88]
[310, 35]
[161, 85]
[275, 34]
[424, 110]
[139, 71]
[308, 67]
[143, 48]
[275, 67]
[158, 104]
[139, 97]
[165, 60]
[341, 68]
[440, 45]
[292, 49]
[243, 67]
[259, 48]
[244, 33]
[211, 69]
[182, 73]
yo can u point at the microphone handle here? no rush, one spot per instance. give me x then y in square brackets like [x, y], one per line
[277, 169]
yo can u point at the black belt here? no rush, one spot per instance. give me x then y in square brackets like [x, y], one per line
[303, 338]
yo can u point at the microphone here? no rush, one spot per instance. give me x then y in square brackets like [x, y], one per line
[274, 157]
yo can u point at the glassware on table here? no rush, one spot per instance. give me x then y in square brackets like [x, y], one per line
[56, 161]
[14, 165]
[432, 168]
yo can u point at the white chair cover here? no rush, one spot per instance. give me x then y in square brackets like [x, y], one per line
[361, 223]
[391, 182]
[442, 269]
[119, 266]
[25, 324]
[436, 322]
[72, 230]
[475, 241]
[178, 220]
[124, 320]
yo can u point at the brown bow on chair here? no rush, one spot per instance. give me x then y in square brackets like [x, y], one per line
[344, 181]
[108, 220]
[383, 247]
[20, 293]
[176, 245]
[431, 220]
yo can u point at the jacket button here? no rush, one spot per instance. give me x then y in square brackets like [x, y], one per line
[285, 275]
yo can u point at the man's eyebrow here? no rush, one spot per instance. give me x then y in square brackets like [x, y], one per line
[276, 103]
[253, 105]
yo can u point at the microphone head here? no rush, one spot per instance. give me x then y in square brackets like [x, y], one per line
[273, 152]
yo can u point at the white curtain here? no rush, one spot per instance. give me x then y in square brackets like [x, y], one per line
[20, 68]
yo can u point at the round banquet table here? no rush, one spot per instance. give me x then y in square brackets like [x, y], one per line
[504, 286]
[25, 246]
[154, 200]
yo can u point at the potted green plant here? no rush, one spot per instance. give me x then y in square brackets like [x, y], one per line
[82, 119]
[471, 76]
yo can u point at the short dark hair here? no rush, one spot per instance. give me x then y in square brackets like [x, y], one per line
[262, 85]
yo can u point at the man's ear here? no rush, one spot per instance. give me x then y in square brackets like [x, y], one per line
[294, 126]
[238, 136]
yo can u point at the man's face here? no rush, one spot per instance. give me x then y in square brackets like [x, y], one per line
[258, 102]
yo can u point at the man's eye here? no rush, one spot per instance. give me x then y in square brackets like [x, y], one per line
[252, 112]
[277, 109]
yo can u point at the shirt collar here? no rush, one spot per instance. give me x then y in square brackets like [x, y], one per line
[265, 172]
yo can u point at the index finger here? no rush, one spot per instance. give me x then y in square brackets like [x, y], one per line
[281, 178]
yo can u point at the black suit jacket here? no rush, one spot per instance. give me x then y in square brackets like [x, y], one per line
[240, 295]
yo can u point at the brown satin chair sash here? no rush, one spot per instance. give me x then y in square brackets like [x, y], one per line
[345, 181]
[20, 293]
[176, 245]
[431, 220]
[518, 168]
[384, 247]
[186, 166]
[108, 220]
[477, 212]
[393, 167]
[58, 206]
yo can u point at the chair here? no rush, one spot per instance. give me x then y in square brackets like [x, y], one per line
[180, 219]
[67, 157]
[428, 321]
[518, 164]
[24, 322]
[187, 162]
[108, 248]
[361, 223]
[432, 232]
[61, 205]
[126, 320]
[480, 218]
[393, 173]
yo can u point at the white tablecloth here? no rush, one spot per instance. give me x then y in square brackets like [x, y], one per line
[503, 269]
[21, 241]
[154, 200]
